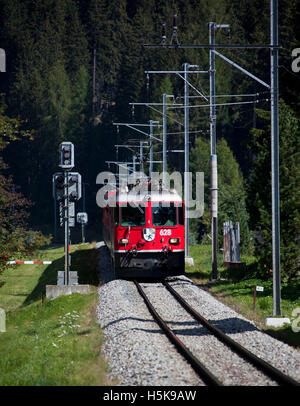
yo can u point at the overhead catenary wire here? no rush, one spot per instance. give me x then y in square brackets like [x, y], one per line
[193, 87]
[190, 132]
[171, 118]
[228, 95]
[214, 46]
[223, 104]
[173, 107]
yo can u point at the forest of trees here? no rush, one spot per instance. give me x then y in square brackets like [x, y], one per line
[48, 89]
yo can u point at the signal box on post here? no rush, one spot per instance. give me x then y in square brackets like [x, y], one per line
[74, 186]
[66, 155]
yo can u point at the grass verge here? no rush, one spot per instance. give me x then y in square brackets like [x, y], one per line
[236, 289]
[51, 342]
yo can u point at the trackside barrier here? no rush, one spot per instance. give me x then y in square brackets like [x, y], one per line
[28, 262]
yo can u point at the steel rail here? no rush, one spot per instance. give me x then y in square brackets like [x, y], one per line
[198, 367]
[264, 366]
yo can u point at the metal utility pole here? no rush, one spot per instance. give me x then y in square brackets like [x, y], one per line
[213, 150]
[275, 160]
[186, 155]
[151, 149]
[212, 87]
[142, 155]
[151, 122]
[164, 137]
[213, 154]
[186, 158]
[67, 228]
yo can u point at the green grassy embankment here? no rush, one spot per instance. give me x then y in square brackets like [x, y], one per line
[51, 342]
[236, 289]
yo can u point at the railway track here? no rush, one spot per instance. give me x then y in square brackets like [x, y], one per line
[204, 373]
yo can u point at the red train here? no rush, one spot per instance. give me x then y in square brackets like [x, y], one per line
[145, 235]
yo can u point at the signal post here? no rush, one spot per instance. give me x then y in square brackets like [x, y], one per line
[66, 190]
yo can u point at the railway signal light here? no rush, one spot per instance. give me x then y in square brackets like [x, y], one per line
[74, 189]
[66, 155]
[82, 218]
[58, 186]
[74, 186]
[67, 190]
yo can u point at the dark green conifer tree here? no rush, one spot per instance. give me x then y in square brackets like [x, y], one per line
[259, 193]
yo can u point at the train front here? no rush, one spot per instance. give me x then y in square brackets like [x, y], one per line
[149, 235]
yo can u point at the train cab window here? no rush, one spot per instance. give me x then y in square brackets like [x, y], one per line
[163, 216]
[133, 216]
[180, 215]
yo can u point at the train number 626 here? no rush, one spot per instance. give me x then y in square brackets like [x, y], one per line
[165, 232]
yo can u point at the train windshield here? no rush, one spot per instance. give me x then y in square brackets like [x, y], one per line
[133, 216]
[164, 216]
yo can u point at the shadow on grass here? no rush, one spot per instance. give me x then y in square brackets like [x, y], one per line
[197, 274]
[241, 272]
[244, 287]
[50, 247]
[82, 261]
[291, 291]
[286, 335]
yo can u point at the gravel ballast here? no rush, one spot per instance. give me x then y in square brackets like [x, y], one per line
[139, 354]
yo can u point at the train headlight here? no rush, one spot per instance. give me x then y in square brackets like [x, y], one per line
[123, 241]
[174, 241]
